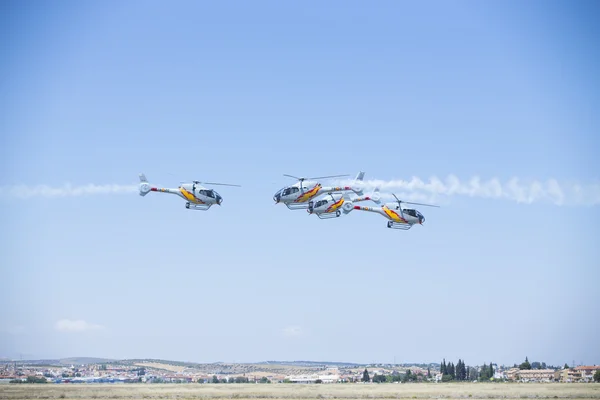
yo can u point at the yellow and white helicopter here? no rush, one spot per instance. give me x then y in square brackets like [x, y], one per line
[297, 196]
[330, 205]
[198, 197]
[398, 217]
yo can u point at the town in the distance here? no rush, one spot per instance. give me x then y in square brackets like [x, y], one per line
[94, 370]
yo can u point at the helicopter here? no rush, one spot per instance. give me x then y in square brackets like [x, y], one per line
[198, 197]
[399, 218]
[329, 205]
[297, 196]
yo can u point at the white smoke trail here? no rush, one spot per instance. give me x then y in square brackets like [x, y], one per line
[515, 189]
[414, 189]
[67, 190]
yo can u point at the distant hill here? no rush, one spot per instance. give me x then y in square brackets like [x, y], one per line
[62, 361]
[214, 365]
[311, 363]
[85, 360]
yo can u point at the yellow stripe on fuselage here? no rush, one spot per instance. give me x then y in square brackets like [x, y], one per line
[335, 205]
[393, 215]
[308, 195]
[189, 196]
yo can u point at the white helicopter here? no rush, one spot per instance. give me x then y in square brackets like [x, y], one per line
[330, 205]
[198, 197]
[297, 196]
[399, 218]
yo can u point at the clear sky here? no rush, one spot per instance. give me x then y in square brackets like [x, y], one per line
[93, 93]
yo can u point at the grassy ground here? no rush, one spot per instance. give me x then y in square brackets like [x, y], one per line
[295, 391]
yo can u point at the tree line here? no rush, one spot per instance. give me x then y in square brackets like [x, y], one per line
[236, 379]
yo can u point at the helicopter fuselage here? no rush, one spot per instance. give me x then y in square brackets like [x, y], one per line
[193, 193]
[326, 204]
[394, 213]
[302, 192]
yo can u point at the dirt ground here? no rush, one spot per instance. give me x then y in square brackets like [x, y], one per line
[296, 391]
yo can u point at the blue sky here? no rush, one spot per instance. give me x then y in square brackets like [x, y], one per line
[236, 92]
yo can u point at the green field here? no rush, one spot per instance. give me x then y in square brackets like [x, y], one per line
[295, 391]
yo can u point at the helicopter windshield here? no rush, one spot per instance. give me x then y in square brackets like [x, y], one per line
[208, 193]
[412, 213]
[320, 203]
[290, 190]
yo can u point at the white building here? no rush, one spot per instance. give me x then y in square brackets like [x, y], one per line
[329, 378]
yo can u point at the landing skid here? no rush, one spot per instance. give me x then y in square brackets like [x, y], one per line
[198, 207]
[297, 206]
[329, 215]
[398, 225]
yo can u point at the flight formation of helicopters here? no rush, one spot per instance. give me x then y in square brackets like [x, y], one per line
[307, 194]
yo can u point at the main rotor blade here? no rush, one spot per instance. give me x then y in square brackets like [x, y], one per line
[408, 202]
[420, 204]
[331, 176]
[292, 176]
[221, 184]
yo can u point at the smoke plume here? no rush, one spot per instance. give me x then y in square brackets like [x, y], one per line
[515, 189]
[67, 190]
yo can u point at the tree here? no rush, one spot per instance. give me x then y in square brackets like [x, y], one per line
[491, 371]
[483, 372]
[443, 369]
[215, 379]
[366, 377]
[428, 372]
[318, 381]
[463, 370]
[451, 370]
[525, 365]
[597, 376]
[35, 379]
[566, 366]
[264, 380]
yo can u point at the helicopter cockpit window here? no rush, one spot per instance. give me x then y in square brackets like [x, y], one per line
[207, 193]
[290, 190]
[320, 203]
[412, 213]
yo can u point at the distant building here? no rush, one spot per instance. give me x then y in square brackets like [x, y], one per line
[330, 378]
[567, 375]
[536, 375]
[499, 374]
[530, 375]
[512, 374]
[586, 373]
